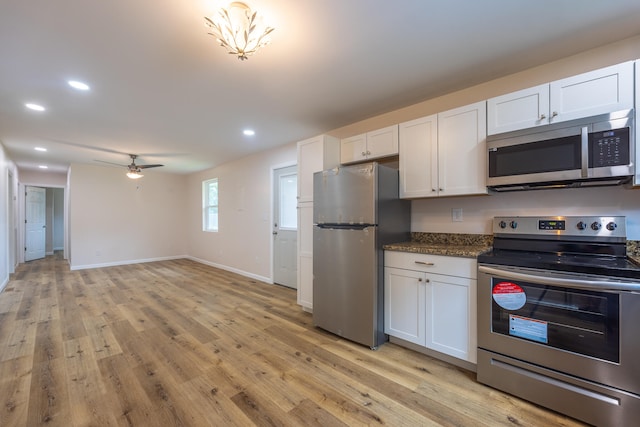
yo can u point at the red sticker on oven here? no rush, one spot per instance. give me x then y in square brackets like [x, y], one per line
[509, 296]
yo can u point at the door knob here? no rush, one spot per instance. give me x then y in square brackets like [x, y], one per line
[275, 232]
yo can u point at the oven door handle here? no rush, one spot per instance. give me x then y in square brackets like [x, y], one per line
[574, 282]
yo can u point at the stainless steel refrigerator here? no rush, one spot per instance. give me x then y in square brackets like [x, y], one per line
[356, 211]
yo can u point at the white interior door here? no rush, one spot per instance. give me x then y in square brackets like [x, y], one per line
[35, 225]
[285, 226]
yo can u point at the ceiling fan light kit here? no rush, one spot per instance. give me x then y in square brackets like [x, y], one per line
[134, 174]
[239, 30]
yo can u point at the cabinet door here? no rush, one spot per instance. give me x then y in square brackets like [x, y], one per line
[382, 142]
[404, 305]
[597, 92]
[462, 154]
[518, 110]
[309, 162]
[305, 255]
[314, 155]
[353, 149]
[418, 151]
[451, 316]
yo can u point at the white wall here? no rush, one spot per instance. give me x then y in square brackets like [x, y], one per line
[116, 220]
[6, 207]
[434, 215]
[244, 241]
[58, 219]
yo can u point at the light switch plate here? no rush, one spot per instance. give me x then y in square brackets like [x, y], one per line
[456, 214]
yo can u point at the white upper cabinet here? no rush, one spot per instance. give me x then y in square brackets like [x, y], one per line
[314, 155]
[596, 92]
[371, 145]
[444, 154]
[518, 110]
[419, 157]
[462, 152]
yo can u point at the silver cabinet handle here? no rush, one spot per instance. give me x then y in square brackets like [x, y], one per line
[363, 153]
[554, 114]
[543, 116]
[424, 263]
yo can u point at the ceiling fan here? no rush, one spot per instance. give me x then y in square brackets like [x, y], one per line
[135, 171]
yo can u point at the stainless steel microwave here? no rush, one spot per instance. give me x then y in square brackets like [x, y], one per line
[595, 151]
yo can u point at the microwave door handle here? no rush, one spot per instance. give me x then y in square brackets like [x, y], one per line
[584, 151]
[550, 280]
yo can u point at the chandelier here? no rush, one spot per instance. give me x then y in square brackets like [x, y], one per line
[239, 30]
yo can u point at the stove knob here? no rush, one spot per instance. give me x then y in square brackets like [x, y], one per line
[596, 226]
[502, 224]
[612, 226]
[581, 225]
[513, 225]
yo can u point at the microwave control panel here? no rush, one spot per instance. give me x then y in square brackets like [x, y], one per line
[609, 148]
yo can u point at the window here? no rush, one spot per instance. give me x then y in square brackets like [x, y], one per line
[210, 205]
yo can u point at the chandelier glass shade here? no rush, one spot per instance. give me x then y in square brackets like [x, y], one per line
[239, 30]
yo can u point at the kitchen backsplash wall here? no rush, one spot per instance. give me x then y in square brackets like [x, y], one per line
[436, 215]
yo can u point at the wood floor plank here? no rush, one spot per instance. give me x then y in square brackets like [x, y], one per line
[211, 406]
[85, 386]
[104, 343]
[20, 341]
[309, 413]
[128, 400]
[15, 382]
[181, 343]
[48, 398]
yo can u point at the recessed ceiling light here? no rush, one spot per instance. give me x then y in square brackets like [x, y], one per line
[78, 85]
[43, 167]
[34, 107]
[249, 132]
[40, 149]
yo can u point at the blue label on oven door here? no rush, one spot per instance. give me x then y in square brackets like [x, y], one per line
[531, 329]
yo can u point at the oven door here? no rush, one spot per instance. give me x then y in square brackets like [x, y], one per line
[585, 326]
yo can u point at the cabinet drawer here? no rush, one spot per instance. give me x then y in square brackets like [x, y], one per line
[439, 264]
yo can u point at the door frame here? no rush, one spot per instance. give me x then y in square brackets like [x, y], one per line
[271, 210]
[22, 189]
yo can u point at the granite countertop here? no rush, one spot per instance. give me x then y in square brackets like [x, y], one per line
[633, 250]
[449, 244]
[467, 245]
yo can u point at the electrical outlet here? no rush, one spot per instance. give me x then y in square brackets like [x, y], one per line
[456, 214]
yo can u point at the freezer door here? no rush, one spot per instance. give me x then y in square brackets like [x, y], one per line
[345, 195]
[347, 292]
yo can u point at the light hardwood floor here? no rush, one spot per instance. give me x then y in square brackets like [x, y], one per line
[177, 343]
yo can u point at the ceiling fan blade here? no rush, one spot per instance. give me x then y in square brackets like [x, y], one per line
[110, 163]
[148, 166]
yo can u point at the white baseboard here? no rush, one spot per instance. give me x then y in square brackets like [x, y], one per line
[125, 262]
[231, 269]
[4, 284]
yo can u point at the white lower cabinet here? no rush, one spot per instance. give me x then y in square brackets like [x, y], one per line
[430, 300]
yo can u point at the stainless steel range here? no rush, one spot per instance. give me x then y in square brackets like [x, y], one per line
[559, 316]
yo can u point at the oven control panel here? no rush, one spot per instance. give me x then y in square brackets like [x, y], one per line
[588, 226]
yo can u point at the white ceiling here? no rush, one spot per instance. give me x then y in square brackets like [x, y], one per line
[162, 88]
